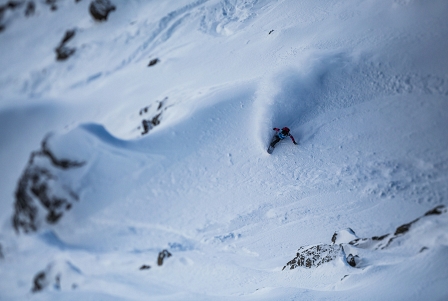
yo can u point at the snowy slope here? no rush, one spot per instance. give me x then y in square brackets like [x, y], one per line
[86, 210]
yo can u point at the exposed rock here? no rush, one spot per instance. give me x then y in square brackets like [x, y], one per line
[145, 267]
[149, 123]
[314, 256]
[436, 211]
[52, 4]
[39, 282]
[30, 8]
[384, 241]
[352, 260]
[423, 249]
[63, 52]
[10, 5]
[1, 252]
[14, 4]
[39, 190]
[100, 9]
[153, 62]
[162, 255]
[346, 242]
[61, 275]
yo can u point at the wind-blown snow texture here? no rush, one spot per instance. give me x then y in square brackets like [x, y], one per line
[133, 150]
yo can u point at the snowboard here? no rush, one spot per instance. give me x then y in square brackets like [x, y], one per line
[271, 148]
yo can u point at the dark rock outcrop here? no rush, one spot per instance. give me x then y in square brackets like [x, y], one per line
[39, 189]
[100, 9]
[39, 282]
[52, 4]
[314, 256]
[346, 246]
[148, 123]
[153, 62]
[62, 275]
[145, 267]
[30, 9]
[13, 4]
[17, 7]
[63, 52]
[384, 241]
[10, 5]
[352, 260]
[162, 255]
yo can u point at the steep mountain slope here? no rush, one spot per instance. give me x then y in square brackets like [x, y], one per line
[155, 184]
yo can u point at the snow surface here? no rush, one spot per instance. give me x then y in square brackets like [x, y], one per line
[362, 84]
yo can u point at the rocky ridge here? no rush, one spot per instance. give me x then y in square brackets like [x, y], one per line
[41, 194]
[347, 247]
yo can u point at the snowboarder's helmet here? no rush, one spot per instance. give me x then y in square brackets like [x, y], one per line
[285, 129]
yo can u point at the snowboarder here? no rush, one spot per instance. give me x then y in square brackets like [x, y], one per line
[280, 135]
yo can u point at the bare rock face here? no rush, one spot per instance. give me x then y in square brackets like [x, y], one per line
[63, 52]
[155, 115]
[162, 255]
[40, 191]
[353, 260]
[100, 9]
[349, 248]
[145, 267]
[314, 256]
[153, 62]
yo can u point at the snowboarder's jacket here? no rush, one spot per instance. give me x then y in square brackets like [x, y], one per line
[283, 133]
